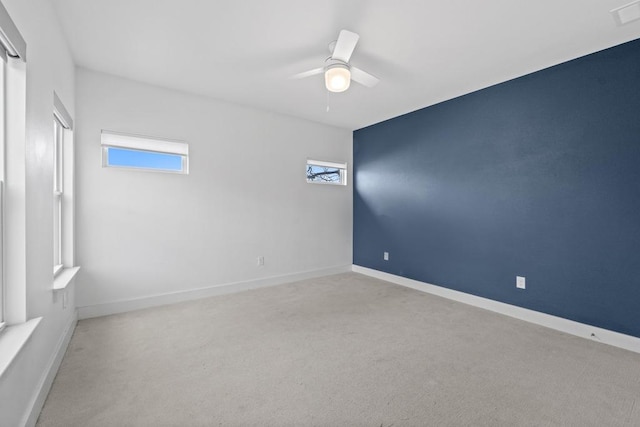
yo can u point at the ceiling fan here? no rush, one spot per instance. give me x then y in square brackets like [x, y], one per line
[338, 73]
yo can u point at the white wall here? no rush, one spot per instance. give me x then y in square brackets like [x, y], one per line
[142, 234]
[49, 67]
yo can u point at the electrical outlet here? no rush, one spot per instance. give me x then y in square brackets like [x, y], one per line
[260, 261]
[521, 282]
[385, 256]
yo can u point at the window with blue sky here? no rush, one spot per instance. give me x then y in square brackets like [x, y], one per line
[145, 153]
[128, 158]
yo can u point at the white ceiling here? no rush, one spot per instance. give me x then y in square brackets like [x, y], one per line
[424, 51]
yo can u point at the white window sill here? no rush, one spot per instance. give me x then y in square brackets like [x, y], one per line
[12, 339]
[64, 277]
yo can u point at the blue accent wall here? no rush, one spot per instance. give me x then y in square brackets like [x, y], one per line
[538, 177]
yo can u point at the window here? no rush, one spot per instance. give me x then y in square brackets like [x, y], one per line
[322, 172]
[62, 187]
[2, 179]
[144, 153]
[58, 189]
[13, 51]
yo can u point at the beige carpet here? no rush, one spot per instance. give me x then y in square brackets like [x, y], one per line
[345, 350]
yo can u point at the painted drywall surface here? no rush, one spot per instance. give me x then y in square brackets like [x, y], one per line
[49, 68]
[143, 233]
[536, 177]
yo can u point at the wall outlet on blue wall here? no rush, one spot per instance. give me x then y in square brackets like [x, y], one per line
[521, 282]
[385, 256]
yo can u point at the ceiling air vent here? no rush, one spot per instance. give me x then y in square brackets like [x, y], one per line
[627, 13]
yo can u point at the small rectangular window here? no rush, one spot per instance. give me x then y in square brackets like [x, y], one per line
[122, 157]
[144, 153]
[322, 172]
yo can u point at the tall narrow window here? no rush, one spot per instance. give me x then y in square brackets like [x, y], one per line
[63, 188]
[58, 192]
[13, 55]
[2, 181]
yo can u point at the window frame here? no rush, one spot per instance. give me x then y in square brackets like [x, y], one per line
[342, 167]
[144, 144]
[3, 98]
[63, 190]
[58, 194]
[13, 56]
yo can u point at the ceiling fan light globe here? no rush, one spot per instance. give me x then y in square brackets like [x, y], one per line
[337, 79]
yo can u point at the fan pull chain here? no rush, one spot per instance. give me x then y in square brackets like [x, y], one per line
[327, 101]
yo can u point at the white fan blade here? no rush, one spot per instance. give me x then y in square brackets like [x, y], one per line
[308, 73]
[364, 78]
[344, 46]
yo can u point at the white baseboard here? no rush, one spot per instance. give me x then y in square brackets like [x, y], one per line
[122, 306]
[582, 330]
[44, 385]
